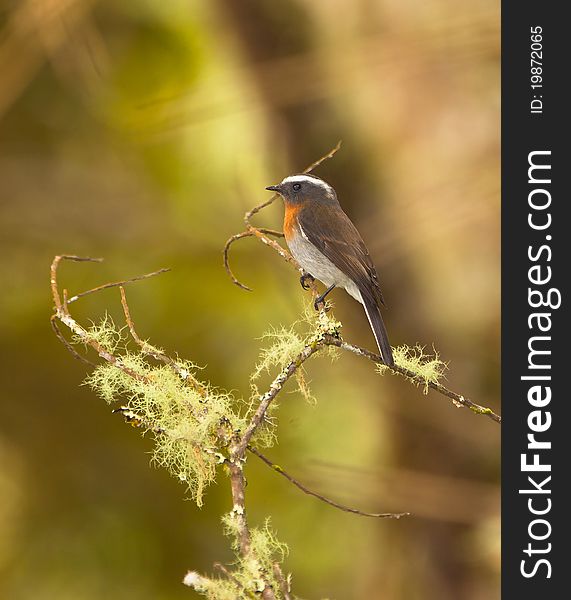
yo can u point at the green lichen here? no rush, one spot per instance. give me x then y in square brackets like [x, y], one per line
[284, 347]
[321, 322]
[214, 588]
[254, 571]
[105, 333]
[480, 410]
[285, 344]
[425, 369]
[185, 419]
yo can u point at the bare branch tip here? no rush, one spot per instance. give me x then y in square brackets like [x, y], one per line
[321, 497]
[226, 256]
[75, 258]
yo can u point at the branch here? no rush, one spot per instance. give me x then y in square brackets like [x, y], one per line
[234, 463]
[275, 388]
[67, 345]
[238, 486]
[235, 238]
[457, 399]
[238, 449]
[228, 574]
[53, 273]
[306, 490]
[285, 587]
[116, 284]
[149, 349]
[62, 313]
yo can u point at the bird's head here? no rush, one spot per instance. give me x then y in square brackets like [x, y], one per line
[297, 189]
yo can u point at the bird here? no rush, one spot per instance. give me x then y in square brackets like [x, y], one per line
[328, 247]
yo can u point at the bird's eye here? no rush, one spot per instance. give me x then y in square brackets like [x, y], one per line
[296, 187]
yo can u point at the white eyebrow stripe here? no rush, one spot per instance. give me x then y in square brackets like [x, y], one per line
[307, 178]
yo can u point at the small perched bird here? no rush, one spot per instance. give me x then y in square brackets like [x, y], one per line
[328, 247]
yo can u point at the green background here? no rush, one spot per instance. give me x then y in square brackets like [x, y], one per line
[141, 131]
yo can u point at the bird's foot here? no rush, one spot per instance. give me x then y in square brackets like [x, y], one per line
[304, 279]
[321, 304]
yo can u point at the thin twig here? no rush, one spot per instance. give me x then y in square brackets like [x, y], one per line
[228, 574]
[63, 315]
[325, 157]
[307, 169]
[157, 354]
[274, 389]
[226, 251]
[263, 234]
[458, 399]
[306, 490]
[54, 268]
[258, 208]
[283, 581]
[68, 346]
[116, 284]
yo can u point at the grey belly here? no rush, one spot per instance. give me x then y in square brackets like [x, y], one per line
[317, 264]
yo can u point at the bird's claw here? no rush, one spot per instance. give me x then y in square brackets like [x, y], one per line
[304, 279]
[321, 303]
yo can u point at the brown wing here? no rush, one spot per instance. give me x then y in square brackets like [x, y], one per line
[329, 229]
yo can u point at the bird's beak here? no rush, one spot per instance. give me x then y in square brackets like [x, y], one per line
[274, 188]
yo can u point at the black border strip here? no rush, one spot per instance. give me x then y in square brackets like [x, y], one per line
[524, 132]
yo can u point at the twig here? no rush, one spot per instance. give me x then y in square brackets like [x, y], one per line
[458, 399]
[262, 234]
[233, 239]
[149, 349]
[307, 169]
[54, 268]
[116, 284]
[228, 574]
[275, 388]
[325, 157]
[284, 583]
[68, 346]
[306, 490]
[63, 315]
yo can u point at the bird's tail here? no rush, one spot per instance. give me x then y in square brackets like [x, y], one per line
[377, 325]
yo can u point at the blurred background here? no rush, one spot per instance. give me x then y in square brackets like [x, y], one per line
[141, 132]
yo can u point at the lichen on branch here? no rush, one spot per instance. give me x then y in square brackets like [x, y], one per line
[185, 420]
[427, 368]
[197, 427]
